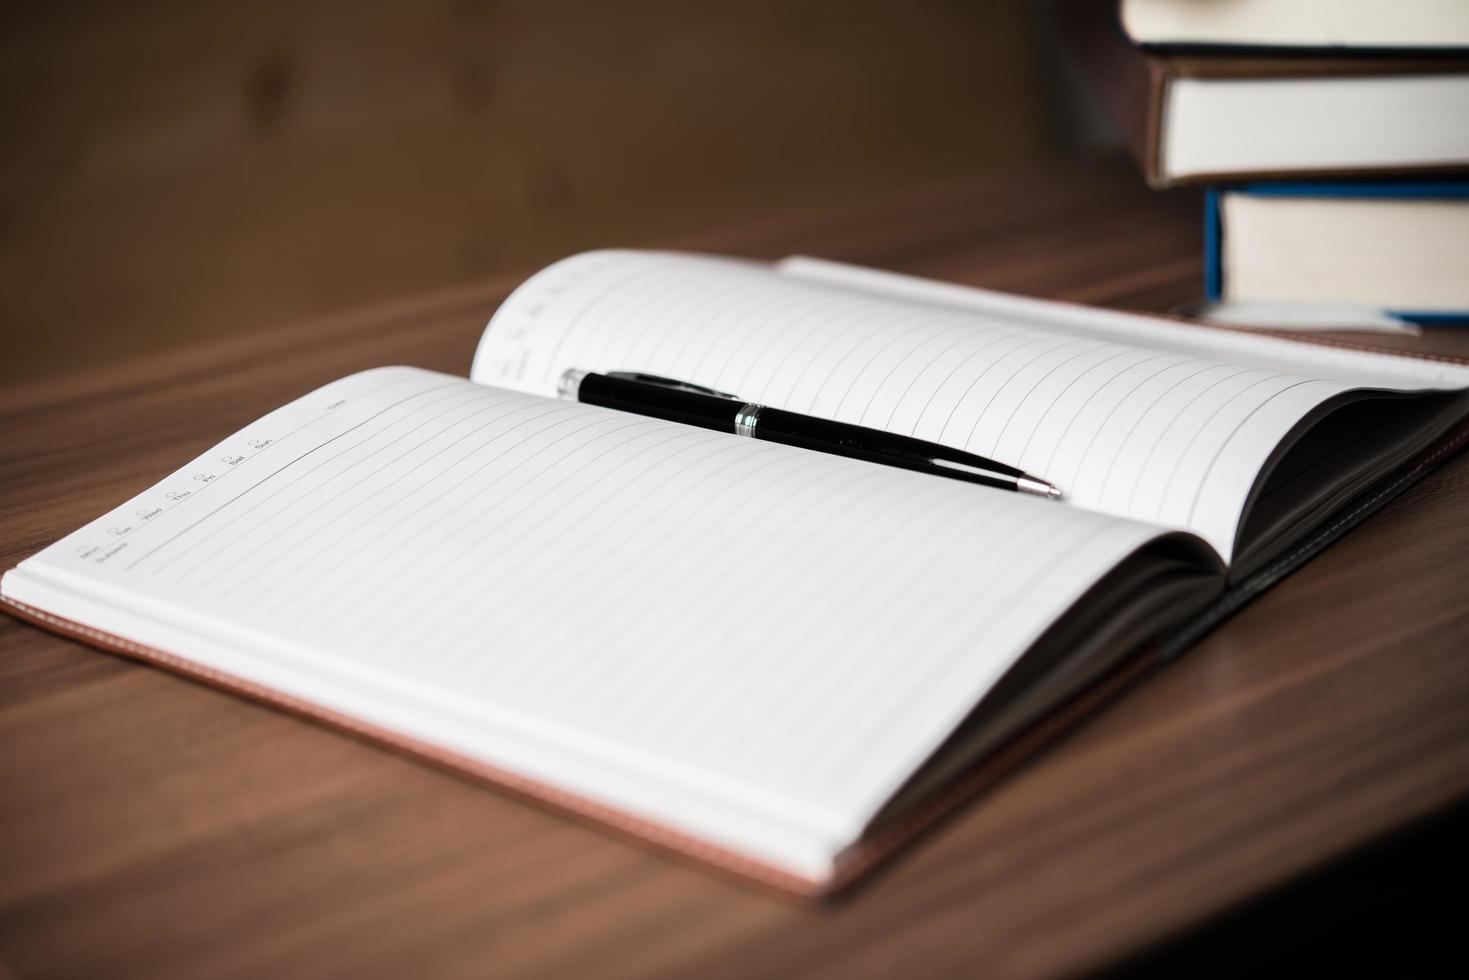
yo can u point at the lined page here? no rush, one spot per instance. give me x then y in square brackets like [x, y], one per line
[1123, 422]
[736, 637]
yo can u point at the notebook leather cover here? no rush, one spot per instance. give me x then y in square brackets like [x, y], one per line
[870, 853]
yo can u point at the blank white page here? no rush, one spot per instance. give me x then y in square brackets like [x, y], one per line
[1330, 124]
[752, 643]
[1376, 253]
[1125, 419]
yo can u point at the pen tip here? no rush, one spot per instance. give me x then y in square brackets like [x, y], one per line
[1040, 488]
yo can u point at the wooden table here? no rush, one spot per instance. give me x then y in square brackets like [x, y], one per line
[153, 827]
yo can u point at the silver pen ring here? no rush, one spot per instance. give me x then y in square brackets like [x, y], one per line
[745, 421]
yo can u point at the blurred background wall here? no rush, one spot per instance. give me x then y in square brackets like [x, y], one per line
[175, 169]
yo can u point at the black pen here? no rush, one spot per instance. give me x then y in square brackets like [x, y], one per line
[679, 401]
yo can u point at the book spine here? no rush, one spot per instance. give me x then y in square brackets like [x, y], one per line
[1213, 253]
[1125, 82]
[1414, 189]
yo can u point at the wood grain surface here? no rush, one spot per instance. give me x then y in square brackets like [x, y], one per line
[154, 827]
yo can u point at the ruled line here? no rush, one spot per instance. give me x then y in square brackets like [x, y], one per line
[174, 537]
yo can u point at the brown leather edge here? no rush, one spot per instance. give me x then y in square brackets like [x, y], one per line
[1122, 79]
[1153, 147]
[639, 830]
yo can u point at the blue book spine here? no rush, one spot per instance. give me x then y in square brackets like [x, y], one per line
[1213, 257]
[1438, 190]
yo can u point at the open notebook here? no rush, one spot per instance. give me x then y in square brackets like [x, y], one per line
[779, 661]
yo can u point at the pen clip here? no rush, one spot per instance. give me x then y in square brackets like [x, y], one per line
[673, 383]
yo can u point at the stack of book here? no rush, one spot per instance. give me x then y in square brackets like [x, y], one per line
[1333, 136]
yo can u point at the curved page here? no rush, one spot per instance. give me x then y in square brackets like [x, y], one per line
[752, 644]
[1128, 415]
